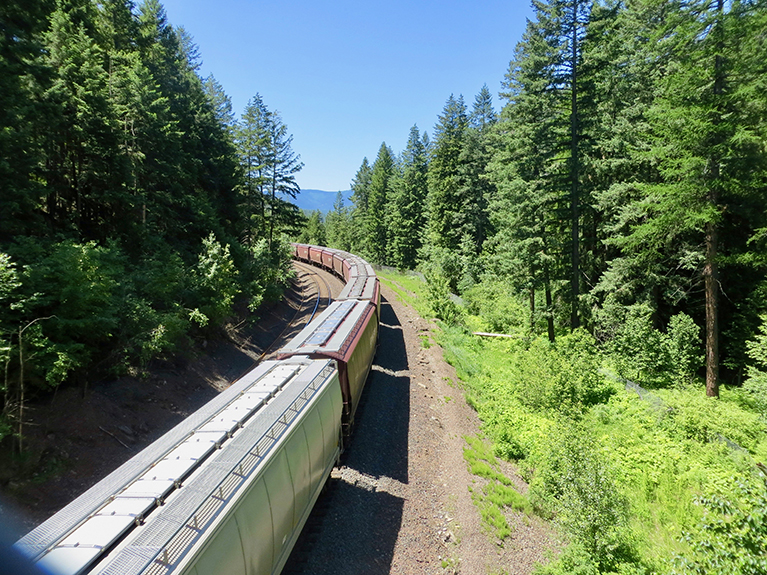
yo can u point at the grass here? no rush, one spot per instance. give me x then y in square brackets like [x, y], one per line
[666, 454]
[409, 289]
[497, 494]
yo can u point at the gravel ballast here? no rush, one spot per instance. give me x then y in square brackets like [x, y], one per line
[400, 502]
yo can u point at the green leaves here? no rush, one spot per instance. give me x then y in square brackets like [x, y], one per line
[214, 280]
[731, 538]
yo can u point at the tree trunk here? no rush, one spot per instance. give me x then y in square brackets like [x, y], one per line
[711, 269]
[574, 215]
[547, 291]
[711, 279]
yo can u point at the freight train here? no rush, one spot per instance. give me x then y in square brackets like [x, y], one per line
[229, 489]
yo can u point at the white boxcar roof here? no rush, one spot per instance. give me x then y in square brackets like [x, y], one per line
[196, 449]
[331, 331]
[361, 287]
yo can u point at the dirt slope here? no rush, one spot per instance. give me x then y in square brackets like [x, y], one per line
[400, 502]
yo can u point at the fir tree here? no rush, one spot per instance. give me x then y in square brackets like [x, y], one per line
[360, 192]
[483, 116]
[443, 199]
[407, 216]
[338, 226]
[379, 191]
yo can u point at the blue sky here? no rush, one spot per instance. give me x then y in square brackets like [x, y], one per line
[350, 74]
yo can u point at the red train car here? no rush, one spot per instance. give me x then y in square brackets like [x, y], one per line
[347, 332]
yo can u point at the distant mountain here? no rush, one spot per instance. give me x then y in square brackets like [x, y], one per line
[311, 200]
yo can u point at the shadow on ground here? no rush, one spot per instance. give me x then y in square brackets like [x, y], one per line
[356, 522]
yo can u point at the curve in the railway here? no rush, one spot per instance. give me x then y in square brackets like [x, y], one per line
[229, 488]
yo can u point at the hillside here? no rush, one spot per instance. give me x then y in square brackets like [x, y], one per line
[311, 200]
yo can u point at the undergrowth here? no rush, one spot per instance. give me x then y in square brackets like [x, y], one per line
[497, 494]
[663, 483]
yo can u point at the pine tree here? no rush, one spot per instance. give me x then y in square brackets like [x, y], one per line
[221, 103]
[282, 167]
[407, 216]
[22, 118]
[483, 116]
[338, 226]
[253, 149]
[528, 248]
[315, 232]
[443, 199]
[625, 66]
[379, 191]
[360, 191]
[81, 145]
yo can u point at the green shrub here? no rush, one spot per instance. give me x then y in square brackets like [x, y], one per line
[684, 346]
[438, 298]
[72, 296]
[563, 376]
[214, 281]
[439, 261]
[731, 538]
[270, 271]
[756, 384]
[577, 485]
[652, 358]
[501, 310]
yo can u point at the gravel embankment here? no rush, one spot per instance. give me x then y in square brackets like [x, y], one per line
[400, 503]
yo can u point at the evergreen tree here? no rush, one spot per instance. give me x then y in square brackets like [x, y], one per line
[444, 197]
[528, 248]
[282, 167]
[253, 149]
[315, 231]
[545, 80]
[360, 191]
[379, 191]
[338, 225]
[22, 118]
[407, 217]
[483, 116]
[626, 67]
[81, 145]
[221, 103]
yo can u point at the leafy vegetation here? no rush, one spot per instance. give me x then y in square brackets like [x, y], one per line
[638, 481]
[135, 211]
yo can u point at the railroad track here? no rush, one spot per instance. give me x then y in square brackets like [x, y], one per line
[323, 293]
[323, 287]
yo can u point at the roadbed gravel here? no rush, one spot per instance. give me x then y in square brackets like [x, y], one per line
[400, 502]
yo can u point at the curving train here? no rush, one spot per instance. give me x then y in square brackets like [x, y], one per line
[229, 489]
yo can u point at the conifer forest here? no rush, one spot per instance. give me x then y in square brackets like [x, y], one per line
[607, 210]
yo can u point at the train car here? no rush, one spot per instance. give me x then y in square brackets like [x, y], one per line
[229, 489]
[347, 332]
[327, 259]
[343, 263]
[226, 491]
[301, 252]
[363, 288]
[315, 255]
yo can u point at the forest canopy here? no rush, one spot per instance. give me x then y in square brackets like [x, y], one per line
[621, 187]
[135, 211]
